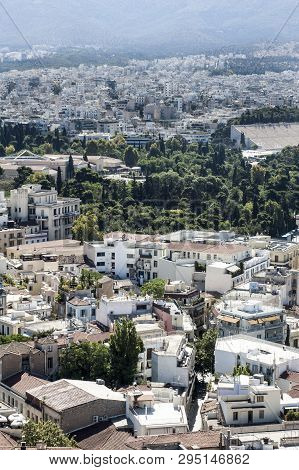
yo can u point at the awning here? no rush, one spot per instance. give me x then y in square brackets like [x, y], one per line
[228, 319]
[272, 318]
[252, 322]
[233, 269]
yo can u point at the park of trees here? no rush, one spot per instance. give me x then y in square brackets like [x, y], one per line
[196, 186]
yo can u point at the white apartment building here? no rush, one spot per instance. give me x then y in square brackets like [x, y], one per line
[153, 337]
[152, 418]
[82, 309]
[252, 317]
[126, 256]
[245, 401]
[54, 215]
[262, 357]
[174, 363]
[115, 308]
[3, 210]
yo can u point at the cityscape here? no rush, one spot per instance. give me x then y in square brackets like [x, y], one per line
[149, 237]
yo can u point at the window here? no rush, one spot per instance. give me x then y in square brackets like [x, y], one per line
[155, 252]
[155, 264]
[100, 264]
[235, 416]
[155, 275]
[100, 254]
[130, 265]
[50, 362]
[141, 307]
[130, 256]
[260, 398]
[261, 414]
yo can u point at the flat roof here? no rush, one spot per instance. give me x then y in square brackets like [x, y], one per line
[159, 414]
[265, 351]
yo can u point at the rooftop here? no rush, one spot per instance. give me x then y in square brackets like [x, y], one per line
[160, 413]
[64, 394]
[21, 382]
[257, 349]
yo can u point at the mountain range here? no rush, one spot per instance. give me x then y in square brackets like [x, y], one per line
[176, 25]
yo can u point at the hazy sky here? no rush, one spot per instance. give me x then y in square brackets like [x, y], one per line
[147, 23]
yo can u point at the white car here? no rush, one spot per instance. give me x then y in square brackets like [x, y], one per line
[3, 421]
[17, 424]
[16, 416]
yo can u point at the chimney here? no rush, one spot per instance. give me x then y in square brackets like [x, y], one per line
[23, 445]
[228, 437]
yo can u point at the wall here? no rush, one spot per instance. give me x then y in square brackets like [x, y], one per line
[10, 364]
[82, 416]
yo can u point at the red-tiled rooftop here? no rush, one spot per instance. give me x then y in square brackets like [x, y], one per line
[294, 392]
[290, 376]
[200, 439]
[101, 436]
[203, 247]
[22, 382]
[7, 442]
[104, 436]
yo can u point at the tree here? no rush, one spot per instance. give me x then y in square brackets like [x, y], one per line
[154, 288]
[10, 150]
[205, 347]
[5, 339]
[59, 180]
[24, 172]
[242, 140]
[85, 361]
[92, 148]
[241, 370]
[125, 347]
[70, 168]
[131, 156]
[47, 432]
[154, 150]
[2, 150]
[46, 181]
[56, 88]
[85, 228]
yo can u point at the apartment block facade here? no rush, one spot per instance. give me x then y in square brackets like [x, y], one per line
[54, 215]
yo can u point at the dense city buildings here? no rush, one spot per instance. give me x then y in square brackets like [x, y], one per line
[149, 250]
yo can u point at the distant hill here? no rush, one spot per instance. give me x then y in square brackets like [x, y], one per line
[174, 25]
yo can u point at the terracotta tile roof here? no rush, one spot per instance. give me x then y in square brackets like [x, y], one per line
[290, 376]
[104, 436]
[294, 392]
[15, 348]
[7, 442]
[202, 247]
[209, 406]
[71, 259]
[200, 439]
[101, 436]
[61, 395]
[78, 302]
[100, 337]
[22, 382]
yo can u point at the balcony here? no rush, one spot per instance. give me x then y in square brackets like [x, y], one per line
[146, 255]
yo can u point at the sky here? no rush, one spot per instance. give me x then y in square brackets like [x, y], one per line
[147, 24]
